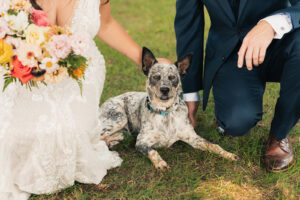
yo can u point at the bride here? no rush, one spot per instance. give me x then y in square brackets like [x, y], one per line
[48, 136]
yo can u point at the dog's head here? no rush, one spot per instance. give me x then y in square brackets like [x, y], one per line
[164, 80]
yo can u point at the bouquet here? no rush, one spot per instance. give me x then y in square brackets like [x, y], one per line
[33, 52]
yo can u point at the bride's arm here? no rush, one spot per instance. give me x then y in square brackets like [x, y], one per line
[115, 36]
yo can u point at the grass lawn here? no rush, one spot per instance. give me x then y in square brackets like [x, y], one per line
[193, 174]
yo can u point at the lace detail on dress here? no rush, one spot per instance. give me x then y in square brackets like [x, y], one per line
[86, 19]
[49, 137]
[6, 105]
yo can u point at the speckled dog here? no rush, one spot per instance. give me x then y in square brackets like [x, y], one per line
[159, 117]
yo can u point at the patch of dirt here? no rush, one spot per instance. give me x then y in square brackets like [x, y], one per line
[223, 189]
[287, 190]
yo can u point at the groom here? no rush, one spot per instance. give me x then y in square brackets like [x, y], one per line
[250, 42]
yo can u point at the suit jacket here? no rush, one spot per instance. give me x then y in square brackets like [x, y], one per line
[224, 35]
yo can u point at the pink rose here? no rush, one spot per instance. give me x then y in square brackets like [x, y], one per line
[80, 42]
[40, 18]
[59, 46]
[3, 28]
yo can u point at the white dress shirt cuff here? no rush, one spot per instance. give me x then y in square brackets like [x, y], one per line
[281, 24]
[194, 96]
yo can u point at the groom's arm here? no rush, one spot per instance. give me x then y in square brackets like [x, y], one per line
[293, 12]
[256, 42]
[286, 20]
[189, 29]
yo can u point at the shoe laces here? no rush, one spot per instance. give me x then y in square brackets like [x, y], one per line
[285, 145]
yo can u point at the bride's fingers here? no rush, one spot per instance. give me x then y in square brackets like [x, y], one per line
[164, 60]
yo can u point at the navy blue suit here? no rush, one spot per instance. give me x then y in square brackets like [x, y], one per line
[238, 93]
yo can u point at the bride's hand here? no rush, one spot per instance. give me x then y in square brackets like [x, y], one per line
[164, 60]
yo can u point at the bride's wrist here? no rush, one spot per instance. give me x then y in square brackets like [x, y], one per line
[136, 56]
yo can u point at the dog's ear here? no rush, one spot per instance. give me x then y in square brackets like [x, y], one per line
[184, 63]
[148, 60]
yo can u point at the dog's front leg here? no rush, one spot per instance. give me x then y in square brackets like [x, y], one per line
[145, 147]
[158, 162]
[155, 158]
[198, 142]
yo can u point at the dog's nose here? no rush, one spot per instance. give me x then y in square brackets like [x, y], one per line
[165, 90]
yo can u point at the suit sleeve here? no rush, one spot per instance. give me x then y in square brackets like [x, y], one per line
[294, 12]
[189, 29]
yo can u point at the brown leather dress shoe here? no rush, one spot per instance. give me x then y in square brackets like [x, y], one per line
[279, 155]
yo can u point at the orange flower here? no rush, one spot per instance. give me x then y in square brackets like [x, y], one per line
[79, 71]
[21, 72]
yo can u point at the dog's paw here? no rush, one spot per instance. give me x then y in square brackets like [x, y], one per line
[235, 157]
[161, 165]
[158, 162]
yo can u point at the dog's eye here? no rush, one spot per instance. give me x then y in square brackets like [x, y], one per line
[171, 78]
[157, 77]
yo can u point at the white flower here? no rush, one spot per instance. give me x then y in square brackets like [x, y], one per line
[15, 42]
[4, 6]
[80, 42]
[18, 23]
[59, 46]
[49, 64]
[35, 34]
[3, 28]
[28, 54]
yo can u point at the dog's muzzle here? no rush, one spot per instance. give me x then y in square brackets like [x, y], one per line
[165, 93]
[165, 90]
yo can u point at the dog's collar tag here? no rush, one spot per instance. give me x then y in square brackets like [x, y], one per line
[164, 113]
[152, 110]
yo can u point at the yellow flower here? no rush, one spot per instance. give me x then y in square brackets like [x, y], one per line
[58, 30]
[22, 4]
[59, 75]
[36, 35]
[39, 79]
[6, 52]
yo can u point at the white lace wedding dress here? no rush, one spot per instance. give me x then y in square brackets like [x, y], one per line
[49, 136]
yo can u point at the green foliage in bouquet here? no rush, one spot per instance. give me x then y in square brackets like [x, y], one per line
[8, 80]
[12, 12]
[76, 66]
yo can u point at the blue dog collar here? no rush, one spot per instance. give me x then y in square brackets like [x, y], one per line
[161, 113]
[165, 113]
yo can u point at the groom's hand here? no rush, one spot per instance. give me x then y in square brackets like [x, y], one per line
[255, 45]
[192, 108]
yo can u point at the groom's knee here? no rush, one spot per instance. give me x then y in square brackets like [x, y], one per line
[239, 122]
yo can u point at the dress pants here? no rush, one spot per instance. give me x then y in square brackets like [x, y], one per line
[238, 93]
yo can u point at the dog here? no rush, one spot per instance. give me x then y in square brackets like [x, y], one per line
[157, 118]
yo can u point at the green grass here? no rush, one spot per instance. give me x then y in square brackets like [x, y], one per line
[193, 174]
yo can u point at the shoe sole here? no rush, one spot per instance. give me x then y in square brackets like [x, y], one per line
[284, 169]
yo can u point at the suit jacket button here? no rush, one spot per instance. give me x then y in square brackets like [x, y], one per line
[223, 59]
